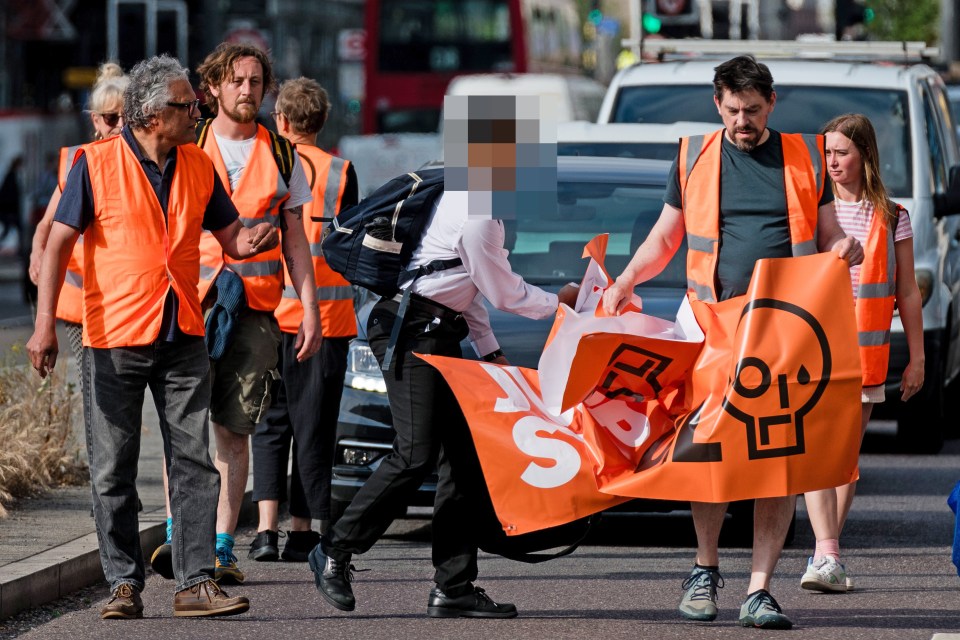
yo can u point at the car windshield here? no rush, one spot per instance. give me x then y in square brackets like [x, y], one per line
[800, 109]
[547, 249]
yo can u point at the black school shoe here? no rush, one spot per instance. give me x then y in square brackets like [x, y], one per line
[470, 605]
[299, 545]
[265, 547]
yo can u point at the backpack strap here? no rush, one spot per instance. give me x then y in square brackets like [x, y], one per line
[431, 267]
[281, 148]
[283, 155]
[533, 557]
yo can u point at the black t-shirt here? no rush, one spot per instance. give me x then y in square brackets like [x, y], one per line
[753, 211]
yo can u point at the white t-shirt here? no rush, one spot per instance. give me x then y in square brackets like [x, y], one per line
[235, 154]
[855, 219]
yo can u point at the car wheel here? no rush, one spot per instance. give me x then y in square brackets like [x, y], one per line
[921, 419]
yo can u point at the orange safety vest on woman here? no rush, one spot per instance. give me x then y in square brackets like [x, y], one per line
[259, 196]
[698, 168]
[70, 304]
[132, 255]
[876, 296]
[327, 175]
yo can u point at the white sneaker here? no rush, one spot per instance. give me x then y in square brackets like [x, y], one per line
[825, 575]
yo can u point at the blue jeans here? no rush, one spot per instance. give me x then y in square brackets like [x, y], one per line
[178, 375]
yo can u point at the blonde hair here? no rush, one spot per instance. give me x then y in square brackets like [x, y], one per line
[109, 87]
[858, 128]
[304, 103]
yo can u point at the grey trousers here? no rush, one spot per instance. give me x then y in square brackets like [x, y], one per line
[178, 376]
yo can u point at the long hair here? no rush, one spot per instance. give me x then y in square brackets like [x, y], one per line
[859, 129]
[217, 68]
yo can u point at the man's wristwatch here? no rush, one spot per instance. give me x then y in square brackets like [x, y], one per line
[490, 357]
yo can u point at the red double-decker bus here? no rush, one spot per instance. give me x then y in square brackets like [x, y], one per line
[415, 47]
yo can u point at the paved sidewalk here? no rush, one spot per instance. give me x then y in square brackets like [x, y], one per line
[48, 545]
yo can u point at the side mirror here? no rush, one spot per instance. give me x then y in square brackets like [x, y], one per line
[948, 203]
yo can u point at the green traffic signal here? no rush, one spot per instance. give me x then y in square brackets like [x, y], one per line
[595, 16]
[651, 23]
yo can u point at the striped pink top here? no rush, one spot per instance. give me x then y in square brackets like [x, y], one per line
[855, 218]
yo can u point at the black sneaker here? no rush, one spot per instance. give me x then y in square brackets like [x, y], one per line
[332, 578]
[162, 560]
[470, 605]
[265, 547]
[299, 545]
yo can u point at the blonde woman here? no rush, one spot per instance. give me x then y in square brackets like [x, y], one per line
[105, 107]
[885, 278]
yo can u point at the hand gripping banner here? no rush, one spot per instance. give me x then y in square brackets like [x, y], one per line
[756, 396]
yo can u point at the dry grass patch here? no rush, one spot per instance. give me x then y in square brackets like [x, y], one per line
[38, 449]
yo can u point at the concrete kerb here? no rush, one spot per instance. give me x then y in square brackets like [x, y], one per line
[59, 571]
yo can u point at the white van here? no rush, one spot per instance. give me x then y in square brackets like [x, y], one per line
[626, 140]
[908, 105]
[575, 97]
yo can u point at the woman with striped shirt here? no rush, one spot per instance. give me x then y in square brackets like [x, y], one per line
[866, 213]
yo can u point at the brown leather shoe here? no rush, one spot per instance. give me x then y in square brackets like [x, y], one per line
[207, 599]
[124, 605]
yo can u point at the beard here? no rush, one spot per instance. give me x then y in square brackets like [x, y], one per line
[241, 117]
[746, 144]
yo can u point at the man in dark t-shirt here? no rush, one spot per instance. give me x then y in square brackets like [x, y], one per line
[726, 238]
[753, 211]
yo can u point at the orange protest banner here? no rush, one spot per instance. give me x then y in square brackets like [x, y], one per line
[764, 402]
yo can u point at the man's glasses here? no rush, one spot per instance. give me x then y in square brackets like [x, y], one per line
[110, 119]
[189, 106]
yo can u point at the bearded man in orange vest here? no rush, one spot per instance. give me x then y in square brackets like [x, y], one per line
[266, 181]
[307, 405]
[738, 195]
[141, 200]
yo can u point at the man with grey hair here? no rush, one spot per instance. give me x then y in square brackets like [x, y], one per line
[141, 200]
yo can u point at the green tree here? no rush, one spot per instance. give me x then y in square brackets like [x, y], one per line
[909, 20]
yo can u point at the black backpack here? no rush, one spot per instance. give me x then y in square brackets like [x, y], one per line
[370, 243]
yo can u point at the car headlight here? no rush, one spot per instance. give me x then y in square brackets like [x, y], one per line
[363, 371]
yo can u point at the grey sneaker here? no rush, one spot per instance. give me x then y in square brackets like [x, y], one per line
[699, 601]
[760, 610]
[825, 575]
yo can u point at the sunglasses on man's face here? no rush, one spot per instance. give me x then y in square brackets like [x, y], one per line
[110, 119]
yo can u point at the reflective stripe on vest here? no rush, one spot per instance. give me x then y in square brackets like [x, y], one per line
[698, 171]
[133, 255]
[327, 175]
[876, 296]
[70, 303]
[259, 196]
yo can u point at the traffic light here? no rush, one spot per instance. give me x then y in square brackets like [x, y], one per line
[851, 18]
[671, 18]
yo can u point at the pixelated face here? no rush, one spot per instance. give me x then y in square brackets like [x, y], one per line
[500, 155]
[783, 367]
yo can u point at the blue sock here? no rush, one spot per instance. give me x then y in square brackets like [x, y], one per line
[225, 541]
[169, 531]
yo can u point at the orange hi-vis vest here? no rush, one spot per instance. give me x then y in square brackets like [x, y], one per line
[132, 255]
[259, 196]
[327, 175]
[876, 296]
[70, 304]
[698, 168]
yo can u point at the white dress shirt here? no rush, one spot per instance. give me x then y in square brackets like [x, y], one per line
[485, 272]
